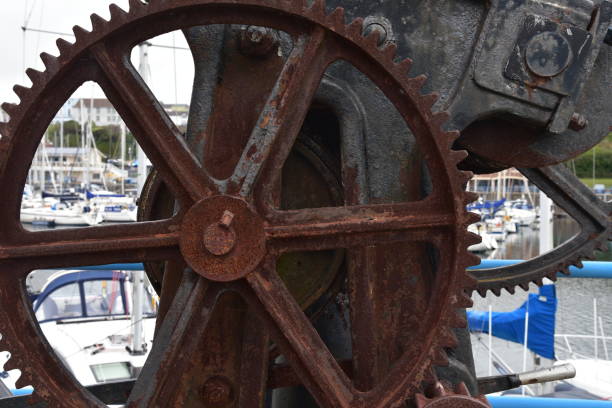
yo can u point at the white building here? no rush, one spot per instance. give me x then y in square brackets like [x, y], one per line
[103, 113]
[99, 110]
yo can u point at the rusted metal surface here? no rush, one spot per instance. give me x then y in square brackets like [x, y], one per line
[442, 396]
[211, 347]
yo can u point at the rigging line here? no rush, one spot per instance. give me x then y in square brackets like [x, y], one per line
[112, 334]
[29, 15]
[40, 22]
[43, 31]
[174, 58]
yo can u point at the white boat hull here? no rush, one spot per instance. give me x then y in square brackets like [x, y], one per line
[58, 217]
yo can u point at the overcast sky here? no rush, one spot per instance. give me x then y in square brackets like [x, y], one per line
[61, 16]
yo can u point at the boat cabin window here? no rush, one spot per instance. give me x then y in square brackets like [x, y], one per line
[103, 298]
[112, 371]
[64, 302]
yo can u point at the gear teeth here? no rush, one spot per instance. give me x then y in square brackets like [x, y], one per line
[471, 217]
[440, 358]
[37, 77]
[482, 292]
[21, 91]
[511, 290]
[97, 22]
[456, 320]
[448, 338]
[79, 33]
[404, 66]
[468, 195]
[429, 100]
[317, 9]
[462, 389]
[355, 28]
[63, 46]
[553, 277]
[539, 282]
[10, 108]
[439, 119]
[50, 61]
[464, 301]
[472, 238]
[389, 51]
[417, 83]
[116, 12]
[496, 291]
[451, 137]
[135, 5]
[472, 260]
[464, 177]
[336, 18]
[372, 39]
[4, 130]
[578, 264]
[524, 286]
[590, 256]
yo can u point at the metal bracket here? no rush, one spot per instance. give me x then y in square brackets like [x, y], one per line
[541, 52]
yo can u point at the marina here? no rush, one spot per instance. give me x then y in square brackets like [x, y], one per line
[305, 204]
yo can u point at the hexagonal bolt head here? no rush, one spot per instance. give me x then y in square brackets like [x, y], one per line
[258, 41]
[578, 122]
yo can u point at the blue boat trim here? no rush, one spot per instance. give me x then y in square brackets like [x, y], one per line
[539, 402]
[591, 269]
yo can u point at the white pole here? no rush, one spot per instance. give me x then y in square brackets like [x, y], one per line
[525, 347]
[122, 157]
[137, 306]
[603, 338]
[61, 156]
[595, 327]
[145, 73]
[82, 145]
[490, 340]
[546, 225]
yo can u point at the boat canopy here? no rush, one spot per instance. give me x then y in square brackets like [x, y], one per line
[511, 325]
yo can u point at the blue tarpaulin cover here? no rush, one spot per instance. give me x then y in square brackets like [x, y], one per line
[511, 325]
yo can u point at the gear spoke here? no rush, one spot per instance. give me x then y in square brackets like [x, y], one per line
[152, 127]
[95, 245]
[342, 227]
[332, 386]
[281, 118]
[178, 336]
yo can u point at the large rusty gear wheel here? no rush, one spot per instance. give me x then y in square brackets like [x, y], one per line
[234, 215]
[594, 218]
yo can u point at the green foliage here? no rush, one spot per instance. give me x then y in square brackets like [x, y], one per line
[107, 138]
[72, 134]
[603, 161]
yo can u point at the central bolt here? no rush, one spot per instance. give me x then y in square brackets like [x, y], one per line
[219, 238]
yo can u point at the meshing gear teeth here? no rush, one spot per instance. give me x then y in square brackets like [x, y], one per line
[593, 216]
[52, 383]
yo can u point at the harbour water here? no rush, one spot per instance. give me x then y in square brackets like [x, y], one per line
[575, 296]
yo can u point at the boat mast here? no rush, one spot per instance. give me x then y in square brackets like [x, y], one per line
[122, 157]
[61, 156]
[145, 73]
[137, 347]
